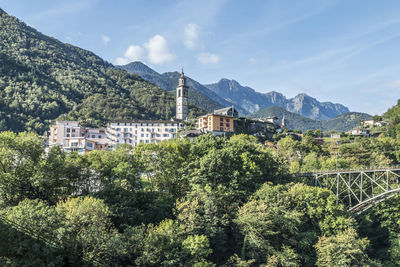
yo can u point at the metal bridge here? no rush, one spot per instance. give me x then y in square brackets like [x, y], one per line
[358, 190]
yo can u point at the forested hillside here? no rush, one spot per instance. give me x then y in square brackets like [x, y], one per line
[341, 123]
[42, 78]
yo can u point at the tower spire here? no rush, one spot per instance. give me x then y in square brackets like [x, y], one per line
[182, 98]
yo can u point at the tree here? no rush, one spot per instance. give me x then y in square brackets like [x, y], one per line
[343, 249]
[284, 222]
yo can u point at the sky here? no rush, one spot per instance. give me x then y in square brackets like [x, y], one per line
[344, 51]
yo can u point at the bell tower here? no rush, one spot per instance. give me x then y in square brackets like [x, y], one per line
[182, 109]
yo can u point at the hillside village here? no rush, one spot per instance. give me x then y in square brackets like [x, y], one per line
[149, 169]
[73, 137]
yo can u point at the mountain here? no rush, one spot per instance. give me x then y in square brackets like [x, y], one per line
[252, 101]
[199, 95]
[42, 79]
[341, 123]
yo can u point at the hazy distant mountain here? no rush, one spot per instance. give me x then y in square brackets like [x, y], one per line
[199, 95]
[252, 101]
[341, 123]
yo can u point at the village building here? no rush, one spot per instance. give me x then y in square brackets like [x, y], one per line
[216, 124]
[142, 131]
[360, 132]
[72, 137]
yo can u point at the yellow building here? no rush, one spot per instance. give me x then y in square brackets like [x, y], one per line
[215, 123]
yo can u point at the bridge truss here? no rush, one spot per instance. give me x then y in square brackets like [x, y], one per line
[358, 190]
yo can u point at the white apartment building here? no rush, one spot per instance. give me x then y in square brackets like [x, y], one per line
[142, 131]
[72, 137]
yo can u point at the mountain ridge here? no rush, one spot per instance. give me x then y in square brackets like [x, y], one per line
[198, 94]
[228, 92]
[302, 103]
[341, 123]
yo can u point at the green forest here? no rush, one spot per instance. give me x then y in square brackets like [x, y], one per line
[42, 79]
[212, 201]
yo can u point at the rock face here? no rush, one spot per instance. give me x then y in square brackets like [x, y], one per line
[252, 101]
[245, 99]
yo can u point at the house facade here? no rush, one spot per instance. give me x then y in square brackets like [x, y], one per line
[141, 131]
[215, 123]
[72, 137]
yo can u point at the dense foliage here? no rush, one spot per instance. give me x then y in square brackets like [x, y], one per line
[208, 202]
[42, 78]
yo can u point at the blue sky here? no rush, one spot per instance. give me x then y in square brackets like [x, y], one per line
[341, 51]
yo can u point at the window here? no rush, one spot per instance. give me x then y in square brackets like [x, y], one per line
[117, 140]
[142, 135]
[118, 134]
[99, 136]
[221, 124]
[221, 119]
[90, 145]
[73, 130]
[67, 135]
[221, 129]
[147, 135]
[74, 144]
[73, 135]
[147, 141]
[93, 136]
[68, 130]
[130, 141]
[228, 125]
[228, 120]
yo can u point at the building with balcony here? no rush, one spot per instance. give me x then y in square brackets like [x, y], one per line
[142, 131]
[72, 137]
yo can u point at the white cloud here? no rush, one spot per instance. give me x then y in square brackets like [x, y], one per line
[106, 39]
[121, 61]
[134, 53]
[252, 60]
[157, 49]
[191, 35]
[208, 58]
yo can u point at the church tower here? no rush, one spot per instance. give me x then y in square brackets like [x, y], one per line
[182, 109]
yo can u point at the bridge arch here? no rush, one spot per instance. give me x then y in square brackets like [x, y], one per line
[358, 190]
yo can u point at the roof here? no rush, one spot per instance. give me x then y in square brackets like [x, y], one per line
[216, 114]
[146, 121]
[224, 109]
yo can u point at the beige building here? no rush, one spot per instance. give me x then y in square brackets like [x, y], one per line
[72, 137]
[215, 123]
